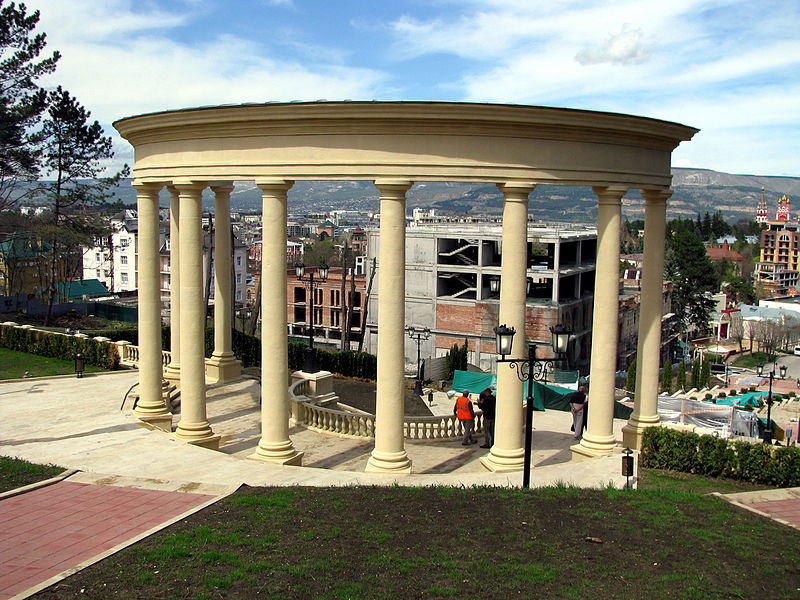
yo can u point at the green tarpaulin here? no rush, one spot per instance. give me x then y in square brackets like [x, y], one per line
[749, 399]
[545, 396]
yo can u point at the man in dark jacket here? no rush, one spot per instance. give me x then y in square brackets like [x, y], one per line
[487, 403]
[577, 404]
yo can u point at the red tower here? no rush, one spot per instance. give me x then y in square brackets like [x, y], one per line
[784, 212]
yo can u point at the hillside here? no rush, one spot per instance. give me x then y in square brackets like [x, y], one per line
[695, 191]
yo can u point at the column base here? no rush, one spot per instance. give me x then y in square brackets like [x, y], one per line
[173, 374]
[633, 430]
[197, 434]
[500, 460]
[279, 454]
[319, 386]
[222, 369]
[160, 422]
[389, 462]
[588, 448]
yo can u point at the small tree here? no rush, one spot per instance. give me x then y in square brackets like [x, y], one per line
[705, 373]
[681, 379]
[666, 378]
[696, 374]
[630, 381]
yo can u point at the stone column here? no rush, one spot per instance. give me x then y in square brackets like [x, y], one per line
[275, 445]
[648, 351]
[508, 453]
[389, 455]
[599, 438]
[223, 366]
[173, 372]
[193, 427]
[150, 406]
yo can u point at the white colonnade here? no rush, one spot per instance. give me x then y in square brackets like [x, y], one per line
[393, 145]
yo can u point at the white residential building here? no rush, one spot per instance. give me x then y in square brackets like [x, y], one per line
[112, 260]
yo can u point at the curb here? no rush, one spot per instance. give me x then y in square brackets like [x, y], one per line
[39, 484]
[97, 558]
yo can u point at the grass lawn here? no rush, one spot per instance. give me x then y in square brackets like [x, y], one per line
[665, 541]
[16, 473]
[14, 364]
[750, 361]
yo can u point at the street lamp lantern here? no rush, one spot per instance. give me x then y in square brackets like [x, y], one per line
[322, 271]
[536, 369]
[418, 334]
[560, 340]
[494, 284]
[504, 337]
[311, 365]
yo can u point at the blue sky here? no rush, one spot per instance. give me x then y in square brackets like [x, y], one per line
[729, 67]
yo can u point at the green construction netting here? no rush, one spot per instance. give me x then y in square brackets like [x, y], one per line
[749, 399]
[551, 397]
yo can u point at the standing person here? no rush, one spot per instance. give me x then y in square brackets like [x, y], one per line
[466, 414]
[577, 404]
[487, 402]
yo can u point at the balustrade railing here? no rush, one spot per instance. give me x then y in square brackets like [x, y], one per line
[129, 355]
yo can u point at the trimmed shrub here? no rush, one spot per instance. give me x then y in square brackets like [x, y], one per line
[55, 345]
[664, 448]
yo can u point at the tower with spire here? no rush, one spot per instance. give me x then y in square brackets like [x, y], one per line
[784, 212]
[761, 213]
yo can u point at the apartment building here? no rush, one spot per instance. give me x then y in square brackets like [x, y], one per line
[113, 258]
[449, 272]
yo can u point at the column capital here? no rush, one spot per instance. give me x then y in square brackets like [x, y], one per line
[393, 188]
[611, 194]
[274, 185]
[187, 186]
[656, 195]
[221, 187]
[146, 187]
[516, 190]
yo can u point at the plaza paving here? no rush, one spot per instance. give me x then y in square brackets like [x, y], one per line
[132, 481]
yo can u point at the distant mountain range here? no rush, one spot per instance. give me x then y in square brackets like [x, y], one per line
[694, 191]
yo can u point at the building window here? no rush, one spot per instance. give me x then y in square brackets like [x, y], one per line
[123, 242]
[123, 277]
[357, 299]
[97, 273]
[336, 318]
[317, 316]
[123, 260]
[238, 261]
[238, 279]
[336, 298]
[319, 296]
[97, 257]
[300, 294]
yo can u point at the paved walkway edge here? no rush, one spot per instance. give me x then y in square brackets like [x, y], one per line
[744, 499]
[64, 574]
[38, 484]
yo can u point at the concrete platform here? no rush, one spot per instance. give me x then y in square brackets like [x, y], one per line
[78, 424]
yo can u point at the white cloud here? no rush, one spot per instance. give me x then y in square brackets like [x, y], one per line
[625, 48]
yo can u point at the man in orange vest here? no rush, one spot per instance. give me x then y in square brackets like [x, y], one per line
[466, 414]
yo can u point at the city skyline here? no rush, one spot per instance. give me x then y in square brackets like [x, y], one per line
[727, 67]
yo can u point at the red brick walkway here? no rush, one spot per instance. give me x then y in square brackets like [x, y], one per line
[787, 509]
[51, 529]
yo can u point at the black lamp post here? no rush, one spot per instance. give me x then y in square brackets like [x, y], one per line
[536, 370]
[80, 364]
[760, 369]
[311, 365]
[418, 334]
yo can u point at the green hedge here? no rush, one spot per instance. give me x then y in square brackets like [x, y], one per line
[55, 345]
[247, 348]
[665, 448]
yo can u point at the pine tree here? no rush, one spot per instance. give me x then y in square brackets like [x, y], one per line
[692, 275]
[74, 150]
[696, 374]
[680, 381]
[630, 382]
[666, 378]
[22, 101]
[705, 373]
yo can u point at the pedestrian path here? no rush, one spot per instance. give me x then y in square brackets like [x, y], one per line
[781, 505]
[50, 532]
